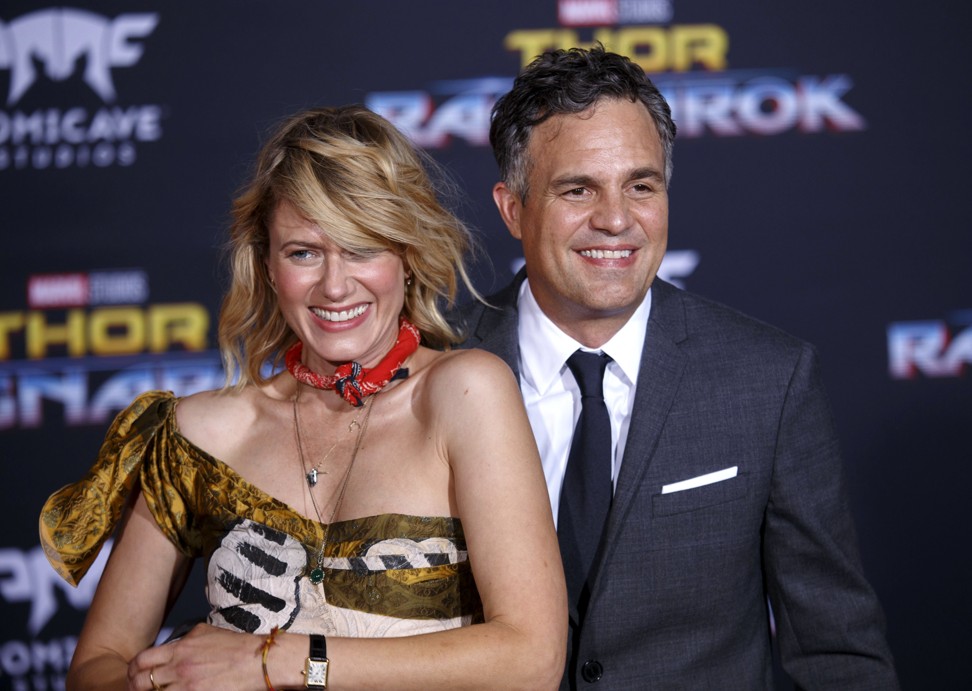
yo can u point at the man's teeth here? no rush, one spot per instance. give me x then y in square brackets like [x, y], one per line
[342, 316]
[606, 254]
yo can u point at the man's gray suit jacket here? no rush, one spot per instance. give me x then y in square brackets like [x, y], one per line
[680, 596]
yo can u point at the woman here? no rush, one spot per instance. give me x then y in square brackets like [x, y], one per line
[374, 515]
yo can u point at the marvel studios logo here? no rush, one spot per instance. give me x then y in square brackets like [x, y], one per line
[610, 12]
[123, 287]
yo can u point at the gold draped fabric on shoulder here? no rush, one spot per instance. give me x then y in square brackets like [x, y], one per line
[77, 519]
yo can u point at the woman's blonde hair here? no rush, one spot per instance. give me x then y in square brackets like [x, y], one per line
[352, 173]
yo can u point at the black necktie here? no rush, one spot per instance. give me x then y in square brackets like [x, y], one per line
[587, 490]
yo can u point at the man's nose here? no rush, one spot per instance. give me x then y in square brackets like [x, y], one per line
[612, 213]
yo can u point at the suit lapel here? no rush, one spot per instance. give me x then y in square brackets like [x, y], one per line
[496, 328]
[662, 366]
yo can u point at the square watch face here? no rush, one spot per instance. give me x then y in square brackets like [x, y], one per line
[315, 673]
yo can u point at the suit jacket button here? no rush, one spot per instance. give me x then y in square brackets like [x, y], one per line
[592, 670]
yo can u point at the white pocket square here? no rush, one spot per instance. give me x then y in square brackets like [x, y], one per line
[701, 480]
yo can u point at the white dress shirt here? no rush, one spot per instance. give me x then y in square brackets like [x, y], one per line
[551, 394]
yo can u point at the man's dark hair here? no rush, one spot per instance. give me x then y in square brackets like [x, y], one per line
[567, 82]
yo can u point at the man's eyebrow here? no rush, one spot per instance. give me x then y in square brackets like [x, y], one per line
[649, 172]
[581, 180]
[573, 180]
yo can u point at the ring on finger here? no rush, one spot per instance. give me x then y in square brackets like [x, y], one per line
[155, 685]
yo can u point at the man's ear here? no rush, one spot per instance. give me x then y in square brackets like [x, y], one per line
[509, 206]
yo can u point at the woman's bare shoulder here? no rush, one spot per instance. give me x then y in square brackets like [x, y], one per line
[469, 382]
[222, 413]
[470, 366]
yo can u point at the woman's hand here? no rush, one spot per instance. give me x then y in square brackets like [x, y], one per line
[206, 658]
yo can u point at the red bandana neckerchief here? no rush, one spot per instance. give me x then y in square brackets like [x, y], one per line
[352, 381]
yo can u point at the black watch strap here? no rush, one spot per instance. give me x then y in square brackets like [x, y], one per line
[318, 647]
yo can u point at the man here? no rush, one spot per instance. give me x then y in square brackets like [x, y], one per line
[729, 509]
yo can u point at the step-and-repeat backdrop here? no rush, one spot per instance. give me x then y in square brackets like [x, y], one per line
[822, 183]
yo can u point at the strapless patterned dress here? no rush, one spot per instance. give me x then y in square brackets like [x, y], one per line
[387, 575]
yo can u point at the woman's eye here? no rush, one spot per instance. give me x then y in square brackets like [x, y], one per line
[301, 255]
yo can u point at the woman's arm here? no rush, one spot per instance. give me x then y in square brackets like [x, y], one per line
[142, 578]
[511, 538]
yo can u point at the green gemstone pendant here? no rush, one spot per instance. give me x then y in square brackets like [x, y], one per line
[317, 576]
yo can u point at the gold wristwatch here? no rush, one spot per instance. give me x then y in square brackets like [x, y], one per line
[315, 666]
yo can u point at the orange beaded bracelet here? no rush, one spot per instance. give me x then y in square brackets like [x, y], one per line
[266, 649]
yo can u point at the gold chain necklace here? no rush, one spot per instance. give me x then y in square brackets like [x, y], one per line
[317, 574]
[311, 475]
